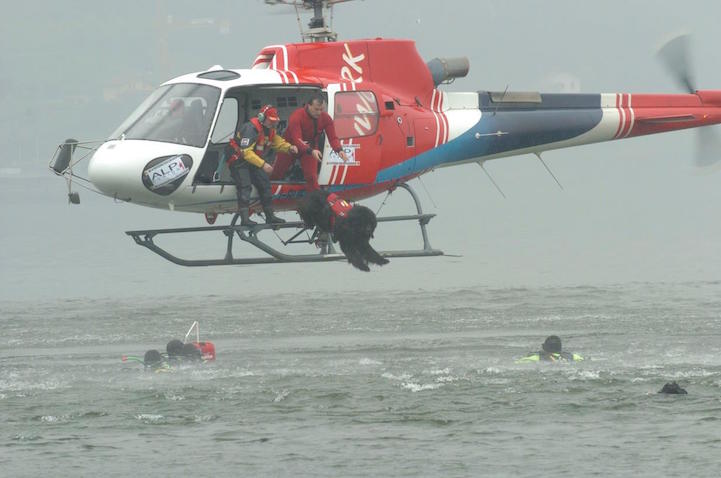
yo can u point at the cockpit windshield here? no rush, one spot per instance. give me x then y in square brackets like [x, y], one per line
[179, 113]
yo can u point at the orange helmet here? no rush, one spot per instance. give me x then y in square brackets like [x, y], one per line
[268, 112]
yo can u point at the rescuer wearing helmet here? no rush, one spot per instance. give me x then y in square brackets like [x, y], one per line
[247, 165]
[551, 351]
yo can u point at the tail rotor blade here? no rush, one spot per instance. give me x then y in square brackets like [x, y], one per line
[675, 55]
[708, 147]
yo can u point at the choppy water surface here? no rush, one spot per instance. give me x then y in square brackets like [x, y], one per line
[398, 384]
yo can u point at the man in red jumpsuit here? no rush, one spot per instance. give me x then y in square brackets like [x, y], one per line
[304, 128]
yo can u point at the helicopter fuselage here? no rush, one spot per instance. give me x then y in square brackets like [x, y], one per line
[393, 121]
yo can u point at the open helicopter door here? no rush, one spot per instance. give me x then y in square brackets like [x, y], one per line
[355, 117]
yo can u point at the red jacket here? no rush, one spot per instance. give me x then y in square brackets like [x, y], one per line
[303, 132]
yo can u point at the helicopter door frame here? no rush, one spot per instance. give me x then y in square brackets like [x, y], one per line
[360, 139]
[326, 169]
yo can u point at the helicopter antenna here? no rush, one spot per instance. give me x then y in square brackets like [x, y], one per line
[480, 163]
[503, 96]
[538, 155]
[297, 15]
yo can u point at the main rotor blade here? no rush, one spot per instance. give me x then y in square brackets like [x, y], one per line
[675, 55]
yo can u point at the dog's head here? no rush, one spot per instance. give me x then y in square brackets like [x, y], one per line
[361, 221]
[673, 388]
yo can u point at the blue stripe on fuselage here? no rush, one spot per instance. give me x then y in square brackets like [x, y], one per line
[558, 117]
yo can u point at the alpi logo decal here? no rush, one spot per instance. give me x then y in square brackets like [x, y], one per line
[167, 171]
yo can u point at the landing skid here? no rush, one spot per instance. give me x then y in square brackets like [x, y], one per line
[249, 234]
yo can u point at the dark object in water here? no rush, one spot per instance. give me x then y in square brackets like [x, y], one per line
[552, 345]
[672, 388]
[191, 352]
[152, 359]
[174, 348]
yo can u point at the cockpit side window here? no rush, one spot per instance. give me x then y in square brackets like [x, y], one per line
[179, 113]
[227, 121]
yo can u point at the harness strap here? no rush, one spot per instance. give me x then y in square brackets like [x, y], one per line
[237, 151]
[339, 206]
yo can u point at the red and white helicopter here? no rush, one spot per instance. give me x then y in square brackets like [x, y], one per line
[394, 121]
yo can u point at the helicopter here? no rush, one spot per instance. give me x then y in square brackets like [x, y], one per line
[391, 110]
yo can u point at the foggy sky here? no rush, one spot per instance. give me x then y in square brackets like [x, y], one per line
[631, 210]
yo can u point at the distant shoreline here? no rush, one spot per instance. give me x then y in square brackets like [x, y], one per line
[5, 172]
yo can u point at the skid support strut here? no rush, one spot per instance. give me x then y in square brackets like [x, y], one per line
[249, 234]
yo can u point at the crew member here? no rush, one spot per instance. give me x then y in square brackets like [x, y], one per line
[304, 128]
[171, 129]
[154, 361]
[551, 351]
[247, 165]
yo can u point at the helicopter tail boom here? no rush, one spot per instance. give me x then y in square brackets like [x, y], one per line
[513, 123]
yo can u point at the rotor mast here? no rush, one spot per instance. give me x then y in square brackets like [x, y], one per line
[318, 30]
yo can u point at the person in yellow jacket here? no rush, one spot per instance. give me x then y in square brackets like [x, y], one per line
[551, 351]
[247, 150]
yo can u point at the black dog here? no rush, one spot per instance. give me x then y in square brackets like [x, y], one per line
[352, 226]
[672, 388]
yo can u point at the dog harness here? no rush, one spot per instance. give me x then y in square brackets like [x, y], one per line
[339, 206]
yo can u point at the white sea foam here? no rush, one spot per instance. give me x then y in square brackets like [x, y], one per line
[204, 418]
[281, 396]
[444, 371]
[21, 385]
[497, 381]
[150, 418]
[369, 361]
[693, 373]
[416, 387]
[584, 375]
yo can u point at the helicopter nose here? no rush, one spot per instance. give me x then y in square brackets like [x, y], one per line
[141, 171]
[113, 170]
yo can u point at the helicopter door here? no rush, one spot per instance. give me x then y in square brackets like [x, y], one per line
[355, 117]
[212, 169]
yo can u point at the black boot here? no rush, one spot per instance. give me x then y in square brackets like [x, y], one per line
[244, 217]
[271, 218]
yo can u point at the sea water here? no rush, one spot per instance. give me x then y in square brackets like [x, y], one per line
[419, 383]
